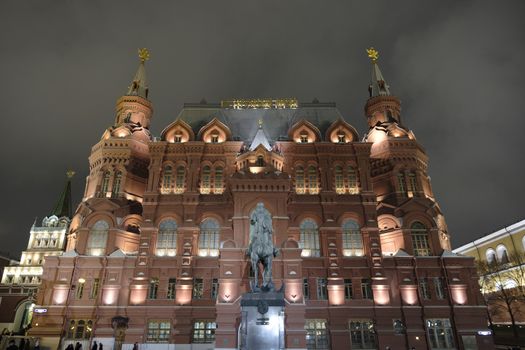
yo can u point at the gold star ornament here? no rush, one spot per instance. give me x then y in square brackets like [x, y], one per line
[373, 54]
[143, 54]
[70, 173]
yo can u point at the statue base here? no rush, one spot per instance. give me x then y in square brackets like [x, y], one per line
[262, 322]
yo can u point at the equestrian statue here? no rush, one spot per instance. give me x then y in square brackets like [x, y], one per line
[261, 249]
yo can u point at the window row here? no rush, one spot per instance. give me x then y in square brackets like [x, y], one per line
[364, 285]
[171, 290]
[309, 238]
[81, 286]
[208, 238]
[110, 186]
[11, 279]
[174, 180]
[352, 241]
[407, 184]
[500, 255]
[363, 334]
[159, 331]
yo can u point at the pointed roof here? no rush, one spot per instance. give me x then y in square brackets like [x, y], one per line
[64, 204]
[260, 139]
[378, 85]
[139, 86]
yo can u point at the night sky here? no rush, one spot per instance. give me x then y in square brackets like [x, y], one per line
[457, 67]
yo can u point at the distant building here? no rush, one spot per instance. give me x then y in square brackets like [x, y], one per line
[20, 280]
[500, 256]
[156, 252]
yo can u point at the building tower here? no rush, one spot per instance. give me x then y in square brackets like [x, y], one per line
[156, 252]
[20, 281]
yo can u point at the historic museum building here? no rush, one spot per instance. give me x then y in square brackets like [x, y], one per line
[157, 249]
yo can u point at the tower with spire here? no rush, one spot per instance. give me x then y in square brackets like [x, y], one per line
[399, 163]
[119, 161]
[46, 239]
[20, 281]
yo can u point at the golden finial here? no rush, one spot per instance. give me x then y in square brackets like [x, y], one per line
[373, 54]
[70, 173]
[143, 54]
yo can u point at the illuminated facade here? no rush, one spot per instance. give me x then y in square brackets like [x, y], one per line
[156, 249]
[20, 280]
[500, 257]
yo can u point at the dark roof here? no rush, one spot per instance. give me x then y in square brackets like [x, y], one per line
[276, 122]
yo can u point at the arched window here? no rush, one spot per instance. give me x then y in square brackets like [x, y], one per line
[490, 254]
[98, 237]
[217, 182]
[299, 180]
[167, 238]
[205, 180]
[116, 184]
[309, 238]
[180, 180]
[105, 182]
[167, 175]
[313, 186]
[419, 239]
[502, 254]
[352, 239]
[352, 180]
[339, 182]
[209, 238]
[401, 184]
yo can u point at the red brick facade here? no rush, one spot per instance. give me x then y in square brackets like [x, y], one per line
[161, 234]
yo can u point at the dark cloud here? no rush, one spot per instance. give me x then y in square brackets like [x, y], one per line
[455, 65]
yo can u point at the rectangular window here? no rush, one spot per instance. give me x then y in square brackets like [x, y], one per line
[306, 289]
[440, 334]
[362, 334]
[153, 288]
[94, 289]
[214, 288]
[424, 290]
[420, 244]
[158, 331]
[349, 293]
[80, 329]
[366, 288]
[322, 292]
[399, 327]
[440, 288]
[172, 285]
[204, 331]
[80, 290]
[198, 288]
[316, 335]
[401, 184]
[412, 185]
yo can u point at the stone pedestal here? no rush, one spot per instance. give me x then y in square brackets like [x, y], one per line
[262, 321]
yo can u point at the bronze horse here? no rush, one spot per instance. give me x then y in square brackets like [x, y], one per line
[261, 249]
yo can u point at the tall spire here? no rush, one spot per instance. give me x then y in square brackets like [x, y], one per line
[378, 85]
[139, 86]
[64, 204]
